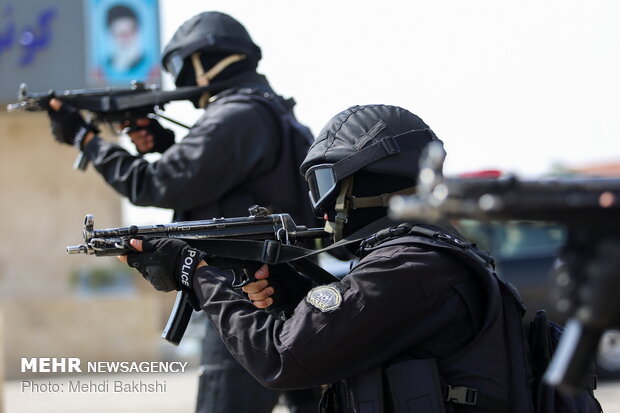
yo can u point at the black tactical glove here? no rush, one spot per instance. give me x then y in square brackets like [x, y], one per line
[162, 138]
[167, 263]
[68, 126]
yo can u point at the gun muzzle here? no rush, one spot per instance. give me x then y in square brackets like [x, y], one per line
[77, 249]
[13, 107]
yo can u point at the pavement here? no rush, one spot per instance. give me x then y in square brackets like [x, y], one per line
[130, 393]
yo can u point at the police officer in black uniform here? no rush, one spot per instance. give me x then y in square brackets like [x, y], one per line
[246, 139]
[418, 325]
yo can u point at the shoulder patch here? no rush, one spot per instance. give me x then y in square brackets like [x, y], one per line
[325, 297]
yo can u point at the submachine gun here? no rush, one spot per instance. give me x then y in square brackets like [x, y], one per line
[587, 278]
[107, 105]
[240, 244]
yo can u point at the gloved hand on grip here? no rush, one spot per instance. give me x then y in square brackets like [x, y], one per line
[148, 135]
[68, 125]
[167, 263]
[278, 288]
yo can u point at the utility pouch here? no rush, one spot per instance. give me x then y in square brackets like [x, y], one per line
[366, 392]
[415, 386]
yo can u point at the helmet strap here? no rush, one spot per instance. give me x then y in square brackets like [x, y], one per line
[204, 78]
[346, 202]
[382, 200]
[342, 209]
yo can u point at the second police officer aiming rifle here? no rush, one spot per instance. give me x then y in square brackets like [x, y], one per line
[110, 105]
[587, 278]
[240, 244]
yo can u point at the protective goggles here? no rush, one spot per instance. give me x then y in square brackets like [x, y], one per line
[322, 183]
[174, 65]
[323, 179]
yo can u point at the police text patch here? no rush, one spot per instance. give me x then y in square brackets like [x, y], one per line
[326, 298]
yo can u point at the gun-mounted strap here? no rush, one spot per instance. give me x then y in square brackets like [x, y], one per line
[370, 236]
[374, 235]
[274, 252]
[377, 232]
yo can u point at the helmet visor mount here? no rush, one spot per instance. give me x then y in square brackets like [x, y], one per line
[322, 183]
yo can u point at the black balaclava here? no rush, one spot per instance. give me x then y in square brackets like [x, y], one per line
[188, 77]
[369, 184]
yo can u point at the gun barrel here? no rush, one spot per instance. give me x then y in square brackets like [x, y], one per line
[77, 249]
[110, 103]
[30, 105]
[13, 107]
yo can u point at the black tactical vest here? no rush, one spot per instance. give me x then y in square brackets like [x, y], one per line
[476, 378]
[282, 188]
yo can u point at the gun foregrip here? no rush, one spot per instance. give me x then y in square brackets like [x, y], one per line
[178, 319]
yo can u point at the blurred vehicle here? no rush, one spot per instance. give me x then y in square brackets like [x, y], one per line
[524, 254]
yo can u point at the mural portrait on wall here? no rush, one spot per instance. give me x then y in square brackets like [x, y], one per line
[123, 42]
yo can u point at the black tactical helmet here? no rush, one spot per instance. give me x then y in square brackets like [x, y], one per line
[379, 139]
[209, 32]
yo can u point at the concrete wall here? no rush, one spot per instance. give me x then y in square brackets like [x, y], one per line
[42, 206]
[2, 398]
[96, 329]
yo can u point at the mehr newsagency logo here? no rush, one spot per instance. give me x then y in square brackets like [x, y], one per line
[72, 365]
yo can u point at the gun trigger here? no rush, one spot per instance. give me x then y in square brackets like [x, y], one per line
[240, 278]
[126, 244]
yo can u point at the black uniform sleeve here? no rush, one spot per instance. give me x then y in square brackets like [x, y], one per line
[230, 142]
[389, 305]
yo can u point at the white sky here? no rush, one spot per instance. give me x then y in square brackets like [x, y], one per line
[510, 85]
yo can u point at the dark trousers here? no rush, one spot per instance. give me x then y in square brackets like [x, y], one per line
[226, 387]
